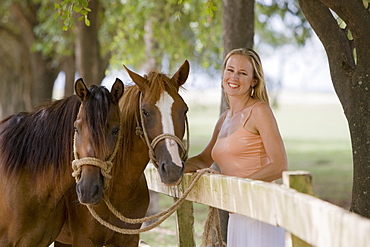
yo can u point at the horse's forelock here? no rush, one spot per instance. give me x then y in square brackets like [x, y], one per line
[158, 83]
[96, 113]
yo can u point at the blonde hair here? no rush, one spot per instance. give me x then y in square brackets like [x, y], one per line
[260, 91]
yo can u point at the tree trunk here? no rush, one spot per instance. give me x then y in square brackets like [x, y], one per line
[43, 78]
[90, 64]
[43, 69]
[238, 32]
[350, 76]
[153, 51]
[68, 67]
[27, 77]
[12, 82]
[153, 61]
[238, 28]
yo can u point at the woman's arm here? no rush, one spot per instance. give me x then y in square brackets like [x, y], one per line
[204, 159]
[264, 123]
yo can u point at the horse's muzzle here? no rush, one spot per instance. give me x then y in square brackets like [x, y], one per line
[170, 173]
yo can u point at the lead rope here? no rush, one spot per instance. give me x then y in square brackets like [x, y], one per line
[212, 221]
[106, 166]
[162, 216]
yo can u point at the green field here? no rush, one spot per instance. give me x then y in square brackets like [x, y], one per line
[316, 139]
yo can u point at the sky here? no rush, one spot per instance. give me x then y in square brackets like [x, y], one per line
[300, 69]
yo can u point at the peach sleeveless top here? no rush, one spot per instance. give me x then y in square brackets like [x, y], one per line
[241, 153]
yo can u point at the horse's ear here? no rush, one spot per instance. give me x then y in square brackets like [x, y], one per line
[138, 79]
[182, 73]
[117, 90]
[81, 89]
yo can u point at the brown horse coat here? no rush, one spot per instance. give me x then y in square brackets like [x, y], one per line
[128, 190]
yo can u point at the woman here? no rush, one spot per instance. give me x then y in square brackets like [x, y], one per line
[246, 143]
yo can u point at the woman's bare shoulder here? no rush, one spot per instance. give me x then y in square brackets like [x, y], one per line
[260, 105]
[262, 112]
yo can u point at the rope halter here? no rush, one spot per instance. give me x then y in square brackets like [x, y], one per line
[141, 131]
[105, 166]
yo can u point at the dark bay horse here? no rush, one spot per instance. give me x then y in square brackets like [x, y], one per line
[152, 105]
[35, 163]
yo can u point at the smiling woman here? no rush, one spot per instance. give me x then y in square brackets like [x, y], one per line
[246, 143]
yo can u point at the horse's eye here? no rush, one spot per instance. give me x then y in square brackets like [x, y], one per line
[146, 113]
[75, 129]
[115, 131]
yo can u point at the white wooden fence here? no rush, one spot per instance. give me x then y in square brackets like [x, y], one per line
[307, 218]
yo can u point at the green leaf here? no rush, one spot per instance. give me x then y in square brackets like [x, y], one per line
[87, 21]
[84, 3]
[77, 8]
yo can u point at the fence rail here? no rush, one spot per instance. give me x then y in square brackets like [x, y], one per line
[315, 221]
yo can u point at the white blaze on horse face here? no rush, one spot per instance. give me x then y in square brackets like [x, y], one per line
[164, 105]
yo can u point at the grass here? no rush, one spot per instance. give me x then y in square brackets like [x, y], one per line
[316, 140]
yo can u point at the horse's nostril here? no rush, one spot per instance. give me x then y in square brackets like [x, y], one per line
[97, 191]
[163, 169]
[89, 193]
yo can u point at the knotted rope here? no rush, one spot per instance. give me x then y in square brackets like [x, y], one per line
[212, 223]
[105, 166]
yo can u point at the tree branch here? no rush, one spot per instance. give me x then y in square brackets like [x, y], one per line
[357, 18]
[353, 12]
[334, 40]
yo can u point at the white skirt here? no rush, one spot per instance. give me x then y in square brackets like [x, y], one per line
[247, 232]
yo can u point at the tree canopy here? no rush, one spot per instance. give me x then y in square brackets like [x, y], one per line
[179, 28]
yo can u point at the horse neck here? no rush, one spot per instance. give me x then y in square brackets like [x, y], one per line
[56, 183]
[128, 168]
[47, 188]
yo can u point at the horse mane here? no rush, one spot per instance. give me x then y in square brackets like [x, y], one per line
[43, 139]
[39, 139]
[157, 83]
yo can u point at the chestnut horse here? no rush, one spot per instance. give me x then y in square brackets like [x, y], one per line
[152, 105]
[35, 157]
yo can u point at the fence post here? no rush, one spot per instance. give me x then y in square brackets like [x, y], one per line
[185, 224]
[302, 182]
